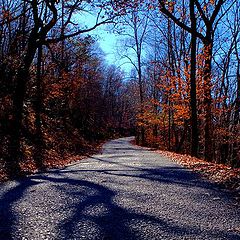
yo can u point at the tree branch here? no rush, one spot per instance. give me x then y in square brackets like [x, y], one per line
[216, 11]
[55, 40]
[200, 10]
[177, 21]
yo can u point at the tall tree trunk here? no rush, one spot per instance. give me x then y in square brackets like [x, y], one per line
[235, 161]
[237, 103]
[208, 154]
[140, 83]
[193, 94]
[14, 150]
[169, 123]
[18, 110]
[38, 109]
[141, 97]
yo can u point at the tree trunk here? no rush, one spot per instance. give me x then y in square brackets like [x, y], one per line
[208, 154]
[38, 109]
[14, 150]
[169, 126]
[140, 82]
[193, 94]
[18, 110]
[237, 103]
[235, 161]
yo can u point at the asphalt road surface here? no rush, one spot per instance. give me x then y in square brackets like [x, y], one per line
[127, 192]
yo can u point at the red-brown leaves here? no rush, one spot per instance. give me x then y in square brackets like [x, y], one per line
[219, 173]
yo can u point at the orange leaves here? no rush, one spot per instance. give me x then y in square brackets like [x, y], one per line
[6, 15]
[65, 87]
[177, 97]
[181, 114]
[147, 118]
[212, 2]
[218, 173]
[208, 5]
[56, 90]
[172, 106]
[170, 5]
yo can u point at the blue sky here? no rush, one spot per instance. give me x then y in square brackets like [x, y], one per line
[108, 42]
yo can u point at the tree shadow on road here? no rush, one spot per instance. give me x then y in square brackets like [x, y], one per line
[99, 216]
[170, 174]
[93, 211]
[7, 215]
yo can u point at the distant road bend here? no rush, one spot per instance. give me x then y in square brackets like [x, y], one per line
[127, 192]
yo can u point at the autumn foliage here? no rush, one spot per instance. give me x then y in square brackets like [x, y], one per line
[169, 82]
[59, 97]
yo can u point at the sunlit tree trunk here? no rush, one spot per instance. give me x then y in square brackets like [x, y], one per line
[208, 45]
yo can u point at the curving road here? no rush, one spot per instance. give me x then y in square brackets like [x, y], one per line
[127, 192]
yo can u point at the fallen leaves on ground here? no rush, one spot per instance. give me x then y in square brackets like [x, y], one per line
[3, 175]
[53, 160]
[218, 173]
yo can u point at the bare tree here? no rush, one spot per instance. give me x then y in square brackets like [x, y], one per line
[136, 22]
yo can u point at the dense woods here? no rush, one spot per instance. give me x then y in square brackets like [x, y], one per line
[58, 95]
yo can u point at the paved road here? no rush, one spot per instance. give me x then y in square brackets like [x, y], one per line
[127, 192]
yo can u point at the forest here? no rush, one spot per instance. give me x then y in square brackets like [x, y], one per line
[59, 97]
